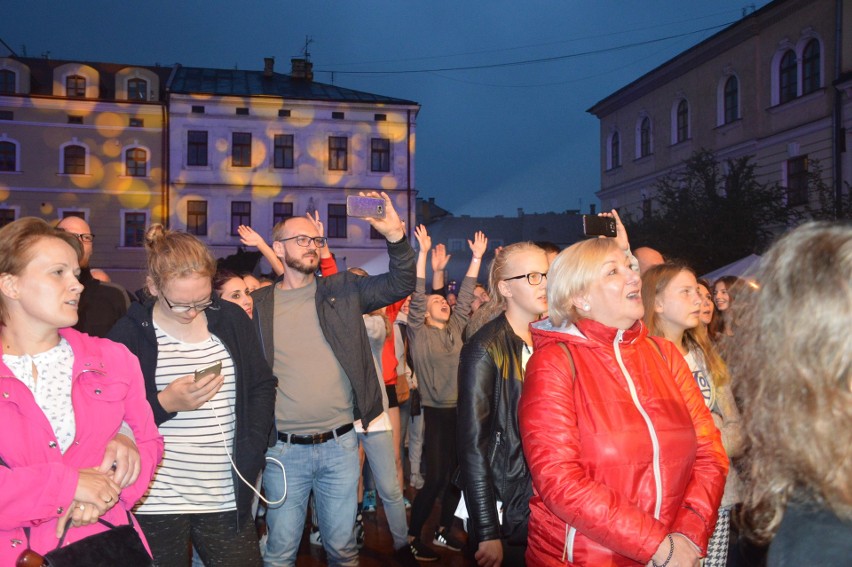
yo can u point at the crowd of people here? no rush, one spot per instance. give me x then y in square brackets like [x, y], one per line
[595, 405]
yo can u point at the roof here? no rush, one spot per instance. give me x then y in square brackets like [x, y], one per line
[234, 82]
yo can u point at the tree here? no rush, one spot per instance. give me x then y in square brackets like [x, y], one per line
[708, 217]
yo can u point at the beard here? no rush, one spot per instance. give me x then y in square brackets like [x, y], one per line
[300, 266]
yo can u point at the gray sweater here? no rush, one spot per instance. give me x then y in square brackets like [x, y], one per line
[435, 352]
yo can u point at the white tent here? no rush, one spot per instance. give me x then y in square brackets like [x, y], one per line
[742, 268]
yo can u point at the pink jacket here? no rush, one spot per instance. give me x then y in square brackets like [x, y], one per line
[39, 482]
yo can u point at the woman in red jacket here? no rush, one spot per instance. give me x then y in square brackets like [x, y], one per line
[627, 465]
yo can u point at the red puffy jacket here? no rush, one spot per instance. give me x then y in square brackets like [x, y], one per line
[622, 451]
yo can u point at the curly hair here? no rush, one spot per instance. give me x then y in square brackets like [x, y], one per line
[793, 362]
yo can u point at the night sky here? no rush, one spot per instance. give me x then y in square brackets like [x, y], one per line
[504, 86]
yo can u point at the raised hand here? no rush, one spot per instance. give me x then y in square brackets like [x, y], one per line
[479, 244]
[248, 236]
[423, 238]
[391, 227]
[440, 258]
[315, 220]
[620, 231]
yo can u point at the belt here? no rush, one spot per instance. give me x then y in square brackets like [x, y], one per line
[315, 438]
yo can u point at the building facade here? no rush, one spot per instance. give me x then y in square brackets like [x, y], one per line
[777, 85]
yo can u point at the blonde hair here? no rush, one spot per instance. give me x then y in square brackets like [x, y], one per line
[16, 246]
[173, 255]
[793, 363]
[571, 274]
[654, 282]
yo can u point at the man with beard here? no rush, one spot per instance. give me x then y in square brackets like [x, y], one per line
[314, 339]
[102, 303]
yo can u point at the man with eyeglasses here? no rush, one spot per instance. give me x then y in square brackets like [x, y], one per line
[314, 339]
[101, 303]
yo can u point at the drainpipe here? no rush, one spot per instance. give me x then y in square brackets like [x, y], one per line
[410, 223]
[837, 115]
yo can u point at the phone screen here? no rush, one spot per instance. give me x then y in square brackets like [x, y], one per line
[594, 225]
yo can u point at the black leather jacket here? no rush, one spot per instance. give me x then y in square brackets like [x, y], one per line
[491, 458]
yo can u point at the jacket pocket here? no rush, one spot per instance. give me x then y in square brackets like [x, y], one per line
[516, 511]
[101, 387]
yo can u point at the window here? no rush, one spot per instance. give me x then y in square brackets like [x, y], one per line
[7, 115]
[810, 67]
[137, 89]
[336, 227]
[732, 99]
[8, 156]
[682, 133]
[242, 112]
[646, 208]
[645, 137]
[281, 211]
[797, 181]
[75, 120]
[241, 149]
[136, 162]
[74, 160]
[134, 229]
[240, 214]
[283, 151]
[137, 123]
[197, 109]
[338, 115]
[380, 154]
[283, 113]
[380, 117]
[196, 147]
[337, 152]
[196, 218]
[615, 151]
[7, 82]
[75, 86]
[6, 216]
[787, 77]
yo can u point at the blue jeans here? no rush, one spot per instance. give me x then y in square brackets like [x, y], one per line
[378, 445]
[330, 469]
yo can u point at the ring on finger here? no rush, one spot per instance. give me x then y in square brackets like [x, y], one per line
[108, 500]
[82, 506]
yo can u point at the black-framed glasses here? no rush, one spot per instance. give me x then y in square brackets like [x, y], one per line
[178, 308]
[82, 237]
[533, 278]
[304, 241]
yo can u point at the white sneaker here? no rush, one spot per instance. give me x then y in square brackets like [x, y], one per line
[315, 538]
[416, 481]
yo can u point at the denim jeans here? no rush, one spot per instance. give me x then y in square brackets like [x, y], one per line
[415, 443]
[378, 445]
[330, 469]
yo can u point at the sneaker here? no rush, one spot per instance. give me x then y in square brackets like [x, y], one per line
[416, 481]
[420, 552]
[359, 531]
[369, 501]
[315, 538]
[405, 557]
[444, 539]
[407, 503]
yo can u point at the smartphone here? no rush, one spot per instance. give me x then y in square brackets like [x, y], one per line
[594, 225]
[364, 207]
[213, 370]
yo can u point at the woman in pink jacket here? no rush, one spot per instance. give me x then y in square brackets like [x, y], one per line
[63, 398]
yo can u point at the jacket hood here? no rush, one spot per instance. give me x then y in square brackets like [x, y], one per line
[584, 332]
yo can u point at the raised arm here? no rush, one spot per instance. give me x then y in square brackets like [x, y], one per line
[440, 259]
[248, 237]
[328, 266]
[417, 308]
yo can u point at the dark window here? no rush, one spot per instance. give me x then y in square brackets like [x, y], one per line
[7, 83]
[241, 149]
[7, 115]
[8, 156]
[242, 112]
[380, 154]
[196, 217]
[134, 229]
[240, 214]
[197, 109]
[78, 214]
[281, 211]
[787, 77]
[337, 152]
[6, 216]
[338, 115]
[336, 227]
[137, 123]
[75, 86]
[810, 67]
[283, 113]
[682, 121]
[615, 150]
[75, 120]
[283, 151]
[645, 137]
[380, 117]
[797, 181]
[196, 147]
[137, 89]
[136, 162]
[732, 99]
[74, 160]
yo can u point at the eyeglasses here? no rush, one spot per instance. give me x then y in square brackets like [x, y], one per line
[305, 241]
[534, 278]
[84, 237]
[199, 307]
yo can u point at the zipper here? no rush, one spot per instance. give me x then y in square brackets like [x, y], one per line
[655, 442]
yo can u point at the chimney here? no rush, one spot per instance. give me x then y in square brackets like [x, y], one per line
[520, 212]
[432, 200]
[268, 66]
[302, 70]
[592, 208]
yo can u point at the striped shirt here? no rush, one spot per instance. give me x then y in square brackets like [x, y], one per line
[195, 474]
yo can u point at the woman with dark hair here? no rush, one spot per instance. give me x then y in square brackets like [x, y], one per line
[65, 396]
[491, 376]
[213, 396]
[231, 287]
[794, 380]
[725, 291]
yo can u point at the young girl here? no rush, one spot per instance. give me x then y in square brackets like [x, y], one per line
[672, 310]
